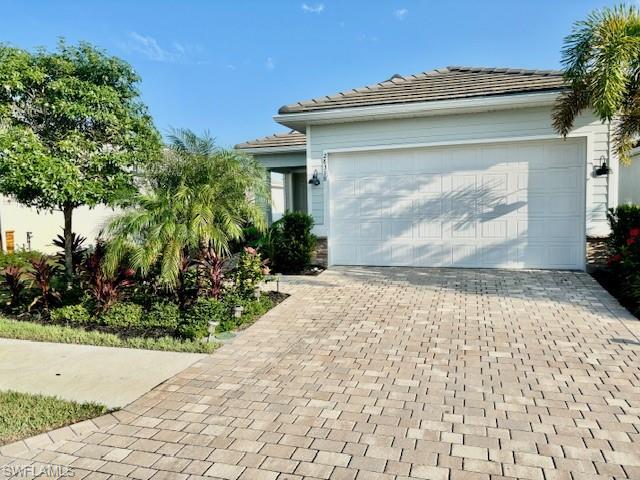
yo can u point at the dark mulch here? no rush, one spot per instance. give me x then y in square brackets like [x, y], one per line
[611, 283]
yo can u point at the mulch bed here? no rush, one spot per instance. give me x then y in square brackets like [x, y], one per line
[611, 283]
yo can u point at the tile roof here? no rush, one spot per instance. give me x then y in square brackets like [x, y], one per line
[288, 139]
[448, 83]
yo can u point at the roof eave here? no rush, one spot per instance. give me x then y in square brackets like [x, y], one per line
[298, 120]
[269, 150]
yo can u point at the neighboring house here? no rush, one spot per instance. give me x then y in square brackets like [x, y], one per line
[454, 167]
[629, 191]
[35, 230]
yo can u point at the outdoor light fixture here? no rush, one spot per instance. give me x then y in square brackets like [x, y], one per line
[603, 169]
[314, 180]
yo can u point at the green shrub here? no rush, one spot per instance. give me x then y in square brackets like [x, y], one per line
[122, 315]
[621, 221]
[252, 309]
[195, 321]
[292, 243]
[72, 314]
[165, 315]
[625, 258]
[251, 237]
[20, 258]
[249, 273]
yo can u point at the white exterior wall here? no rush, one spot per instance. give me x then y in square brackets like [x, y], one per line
[629, 184]
[601, 191]
[45, 226]
[277, 196]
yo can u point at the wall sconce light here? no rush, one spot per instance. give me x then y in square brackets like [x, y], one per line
[314, 180]
[603, 169]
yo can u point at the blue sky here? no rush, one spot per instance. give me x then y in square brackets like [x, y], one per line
[227, 66]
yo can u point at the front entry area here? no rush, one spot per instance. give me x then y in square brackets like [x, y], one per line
[501, 205]
[288, 191]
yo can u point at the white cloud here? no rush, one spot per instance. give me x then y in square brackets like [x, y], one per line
[367, 38]
[149, 47]
[315, 8]
[270, 64]
[401, 13]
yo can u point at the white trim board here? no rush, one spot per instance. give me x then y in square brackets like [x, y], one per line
[298, 121]
[398, 146]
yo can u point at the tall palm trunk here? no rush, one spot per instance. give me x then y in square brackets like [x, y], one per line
[68, 243]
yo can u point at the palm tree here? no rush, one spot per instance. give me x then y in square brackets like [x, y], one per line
[197, 197]
[601, 63]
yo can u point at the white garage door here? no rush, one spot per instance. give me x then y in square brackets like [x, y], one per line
[508, 205]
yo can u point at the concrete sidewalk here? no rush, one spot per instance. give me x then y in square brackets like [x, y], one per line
[113, 377]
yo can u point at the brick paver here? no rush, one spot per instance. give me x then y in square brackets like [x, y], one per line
[390, 374]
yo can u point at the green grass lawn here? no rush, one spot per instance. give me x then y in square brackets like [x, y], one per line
[23, 415]
[23, 330]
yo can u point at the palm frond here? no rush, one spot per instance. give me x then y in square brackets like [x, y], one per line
[601, 62]
[200, 195]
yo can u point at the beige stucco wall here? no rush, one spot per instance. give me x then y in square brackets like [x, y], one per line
[44, 226]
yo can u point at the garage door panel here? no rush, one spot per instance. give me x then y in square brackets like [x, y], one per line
[463, 230]
[345, 254]
[429, 183]
[429, 230]
[399, 207]
[495, 182]
[553, 256]
[346, 208]
[555, 180]
[432, 255]
[429, 206]
[494, 229]
[375, 254]
[496, 205]
[402, 254]
[464, 255]
[496, 256]
[551, 204]
[369, 231]
[557, 229]
[400, 229]
[343, 189]
[463, 183]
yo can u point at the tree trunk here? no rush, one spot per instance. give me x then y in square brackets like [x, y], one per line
[68, 244]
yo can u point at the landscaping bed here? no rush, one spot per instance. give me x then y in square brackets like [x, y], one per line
[133, 313]
[23, 415]
[177, 269]
[620, 276]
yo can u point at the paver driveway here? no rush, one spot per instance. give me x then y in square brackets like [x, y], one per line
[394, 373]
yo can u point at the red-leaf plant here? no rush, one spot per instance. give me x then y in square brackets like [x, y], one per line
[213, 265]
[43, 273]
[14, 279]
[106, 290]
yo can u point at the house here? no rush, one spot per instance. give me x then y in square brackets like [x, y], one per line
[457, 167]
[34, 229]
